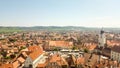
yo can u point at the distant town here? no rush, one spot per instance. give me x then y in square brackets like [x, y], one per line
[59, 47]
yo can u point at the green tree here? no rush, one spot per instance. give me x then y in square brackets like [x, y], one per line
[86, 50]
[7, 57]
[56, 49]
[64, 66]
[74, 48]
[21, 48]
[12, 56]
[12, 40]
[4, 53]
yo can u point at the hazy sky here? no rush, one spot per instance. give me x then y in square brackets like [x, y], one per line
[89, 13]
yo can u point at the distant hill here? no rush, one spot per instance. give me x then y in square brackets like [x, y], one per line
[58, 28]
[52, 28]
[9, 29]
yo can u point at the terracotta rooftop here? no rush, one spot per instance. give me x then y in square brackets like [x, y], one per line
[16, 64]
[54, 58]
[112, 43]
[4, 47]
[34, 48]
[92, 47]
[60, 43]
[91, 57]
[6, 66]
[80, 60]
[20, 59]
[57, 58]
[41, 65]
[24, 54]
[36, 51]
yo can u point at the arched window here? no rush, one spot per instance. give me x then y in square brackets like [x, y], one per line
[30, 66]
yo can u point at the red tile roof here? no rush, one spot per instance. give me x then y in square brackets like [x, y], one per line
[41, 65]
[6, 66]
[34, 48]
[20, 59]
[92, 47]
[60, 43]
[16, 64]
[58, 59]
[36, 51]
[112, 42]
[80, 60]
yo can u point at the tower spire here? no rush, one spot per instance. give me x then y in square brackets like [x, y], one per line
[102, 38]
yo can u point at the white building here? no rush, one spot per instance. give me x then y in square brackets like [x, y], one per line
[32, 63]
[34, 57]
[115, 53]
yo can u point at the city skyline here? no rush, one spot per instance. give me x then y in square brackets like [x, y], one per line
[87, 13]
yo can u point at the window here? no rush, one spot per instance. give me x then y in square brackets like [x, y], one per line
[30, 66]
[54, 63]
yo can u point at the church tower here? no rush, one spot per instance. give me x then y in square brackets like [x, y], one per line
[102, 39]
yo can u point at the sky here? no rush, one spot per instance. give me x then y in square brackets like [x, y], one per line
[87, 13]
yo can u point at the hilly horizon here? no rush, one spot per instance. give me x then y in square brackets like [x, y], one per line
[52, 28]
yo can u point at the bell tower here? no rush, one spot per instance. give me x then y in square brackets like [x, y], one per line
[102, 39]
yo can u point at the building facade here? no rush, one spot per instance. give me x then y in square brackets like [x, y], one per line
[115, 53]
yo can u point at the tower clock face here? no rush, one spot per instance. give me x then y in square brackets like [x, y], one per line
[102, 32]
